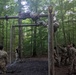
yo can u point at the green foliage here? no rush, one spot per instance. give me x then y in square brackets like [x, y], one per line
[65, 13]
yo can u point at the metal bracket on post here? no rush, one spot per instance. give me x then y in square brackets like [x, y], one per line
[50, 42]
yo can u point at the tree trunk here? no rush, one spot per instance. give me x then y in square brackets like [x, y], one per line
[62, 18]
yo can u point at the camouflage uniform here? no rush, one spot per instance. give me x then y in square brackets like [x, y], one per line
[17, 54]
[63, 55]
[72, 60]
[3, 61]
[68, 54]
[56, 58]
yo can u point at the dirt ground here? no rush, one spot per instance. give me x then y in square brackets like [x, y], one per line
[33, 66]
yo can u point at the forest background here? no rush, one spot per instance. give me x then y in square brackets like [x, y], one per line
[35, 39]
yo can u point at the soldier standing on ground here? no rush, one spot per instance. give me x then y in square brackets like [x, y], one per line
[17, 54]
[3, 60]
[63, 54]
[72, 59]
[56, 58]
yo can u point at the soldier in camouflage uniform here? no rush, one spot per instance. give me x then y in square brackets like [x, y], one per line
[3, 60]
[56, 58]
[68, 54]
[63, 54]
[17, 53]
[72, 59]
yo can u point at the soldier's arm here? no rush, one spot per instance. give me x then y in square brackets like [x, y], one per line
[6, 58]
[55, 54]
[61, 47]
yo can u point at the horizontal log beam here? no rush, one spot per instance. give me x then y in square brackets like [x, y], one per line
[9, 17]
[17, 17]
[23, 25]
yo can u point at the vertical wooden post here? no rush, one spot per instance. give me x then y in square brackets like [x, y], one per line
[20, 37]
[20, 30]
[11, 38]
[55, 38]
[50, 43]
[34, 41]
[6, 33]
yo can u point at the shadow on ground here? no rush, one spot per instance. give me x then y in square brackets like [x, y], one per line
[33, 67]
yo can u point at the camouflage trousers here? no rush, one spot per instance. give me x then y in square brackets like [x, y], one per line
[57, 60]
[72, 66]
[3, 66]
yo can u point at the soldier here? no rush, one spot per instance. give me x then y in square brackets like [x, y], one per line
[68, 54]
[56, 58]
[72, 59]
[63, 54]
[17, 53]
[3, 60]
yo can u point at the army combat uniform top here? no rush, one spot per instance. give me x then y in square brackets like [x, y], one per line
[3, 61]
